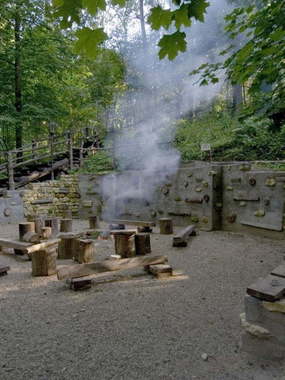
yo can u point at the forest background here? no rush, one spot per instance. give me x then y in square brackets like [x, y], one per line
[59, 71]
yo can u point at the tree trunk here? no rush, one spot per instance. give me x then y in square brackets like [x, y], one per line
[142, 21]
[18, 78]
[237, 97]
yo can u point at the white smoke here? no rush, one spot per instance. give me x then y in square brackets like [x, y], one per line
[144, 118]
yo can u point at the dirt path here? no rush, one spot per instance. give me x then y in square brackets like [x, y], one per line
[137, 328]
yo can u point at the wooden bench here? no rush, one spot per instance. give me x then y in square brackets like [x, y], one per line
[143, 225]
[26, 248]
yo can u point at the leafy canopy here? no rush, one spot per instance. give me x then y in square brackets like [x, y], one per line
[71, 12]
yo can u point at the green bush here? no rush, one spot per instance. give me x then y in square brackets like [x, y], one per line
[100, 162]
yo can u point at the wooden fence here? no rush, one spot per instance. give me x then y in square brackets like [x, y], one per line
[55, 151]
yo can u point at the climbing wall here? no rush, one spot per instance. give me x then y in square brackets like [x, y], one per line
[193, 196]
[253, 198]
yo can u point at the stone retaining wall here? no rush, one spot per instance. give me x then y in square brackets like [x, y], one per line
[52, 198]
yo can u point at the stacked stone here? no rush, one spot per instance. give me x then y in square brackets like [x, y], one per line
[52, 198]
[264, 327]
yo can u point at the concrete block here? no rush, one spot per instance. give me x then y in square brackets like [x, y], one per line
[266, 315]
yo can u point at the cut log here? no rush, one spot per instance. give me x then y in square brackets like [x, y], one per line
[142, 244]
[24, 228]
[125, 245]
[4, 269]
[166, 226]
[41, 246]
[31, 237]
[81, 283]
[123, 232]
[82, 270]
[160, 271]
[140, 223]
[54, 224]
[46, 233]
[67, 246]
[182, 237]
[270, 288]
[39, 224]
[84, 251]
[66, 225]
[145, 229]
[116, 227]
[93, 222]
[44, 261]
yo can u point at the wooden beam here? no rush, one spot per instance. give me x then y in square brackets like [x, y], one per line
[181, 238]
[83, 270]
[270, 288]
[142, 223]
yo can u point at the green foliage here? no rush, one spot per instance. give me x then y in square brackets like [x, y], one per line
[230, 139]
[89, 41]
[171, 44]
[99, 163]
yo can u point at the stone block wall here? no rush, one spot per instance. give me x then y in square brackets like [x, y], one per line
[52, 198]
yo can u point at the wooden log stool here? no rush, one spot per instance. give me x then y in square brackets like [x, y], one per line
[23, 229]
[166, 226]
[66, 225]
[44, 261]
[125, 243]
[84, 250]
[67, 245]
[142, 244]
[39, 224]
[54, 224]
[93, 222]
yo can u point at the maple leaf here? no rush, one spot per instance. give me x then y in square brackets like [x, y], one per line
[171, 44]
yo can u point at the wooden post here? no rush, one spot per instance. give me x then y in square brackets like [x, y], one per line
[81, 155]
[66, 225]
[67, 246]
[70, 149]
[24, 228]
[85, 251]
[142, 243]
[34, 146]
[68, 214]
[44, 261]
[11, 171]
[54, 224]
[51, 143]
[125, 245]
[93, 222]
[166, 226]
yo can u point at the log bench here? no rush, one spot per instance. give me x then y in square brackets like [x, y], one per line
[182, 237]
[26, 248]
[143, 225]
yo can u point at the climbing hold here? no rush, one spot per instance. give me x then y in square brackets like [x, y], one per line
[242, 203]
[206, 198]
[177, 199]
[266, 202]
[252, 181]
[245, 167]
[165, 190]
[186, 184]
[270, 182]
[259, 213]
[198, 189]
[205, 184]
[212, 173]
[231, 218]
[7, 211]
[204, 219]
[229, 188]
[194, 219]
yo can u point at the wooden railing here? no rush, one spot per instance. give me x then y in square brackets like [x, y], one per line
[48, 151]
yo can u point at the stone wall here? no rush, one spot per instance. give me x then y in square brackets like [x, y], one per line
[52, 198]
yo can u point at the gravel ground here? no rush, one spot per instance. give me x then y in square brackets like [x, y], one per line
[137, 328]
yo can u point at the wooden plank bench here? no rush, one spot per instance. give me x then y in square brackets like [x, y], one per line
[182, 237]
[143, 225]
[26, 248]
